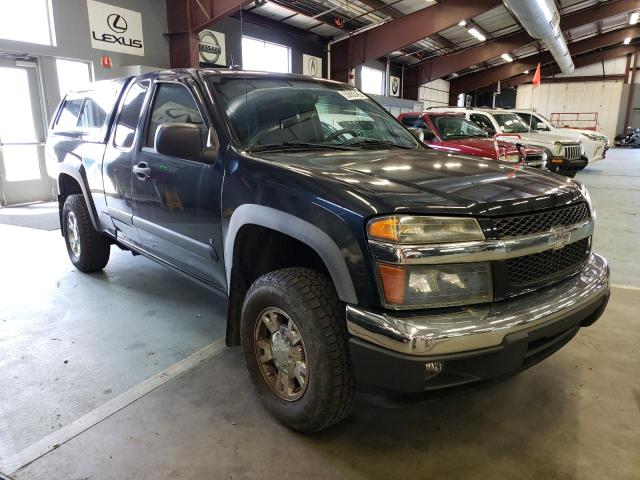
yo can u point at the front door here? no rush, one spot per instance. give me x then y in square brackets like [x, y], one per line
[23, 172]
[176, 201]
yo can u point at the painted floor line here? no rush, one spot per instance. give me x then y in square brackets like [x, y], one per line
[75, 428]
[625, 287]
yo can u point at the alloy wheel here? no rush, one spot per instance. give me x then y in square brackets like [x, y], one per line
[281, 354]
[73, 234]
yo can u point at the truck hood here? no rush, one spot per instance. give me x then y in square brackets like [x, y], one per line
[480, 147]
[427, 181]
[547, 139]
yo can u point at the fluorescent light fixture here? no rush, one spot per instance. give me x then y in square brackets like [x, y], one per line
[633, 19]
[526, 72]
[462, 23]
[506, 57]
[476, 33]
[627, 41]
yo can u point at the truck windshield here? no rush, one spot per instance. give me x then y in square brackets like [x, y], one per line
[510, 123]
[451, 127]
[274, 113]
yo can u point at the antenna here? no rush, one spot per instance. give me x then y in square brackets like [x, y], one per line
[244, 73]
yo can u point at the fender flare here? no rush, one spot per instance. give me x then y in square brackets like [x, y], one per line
[80, 177]
[305, 232]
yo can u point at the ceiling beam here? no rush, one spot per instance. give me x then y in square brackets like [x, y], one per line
[580, 61]
[596, 13]
[401, 32]
[492, 75]
[443, 66]
[185, 18]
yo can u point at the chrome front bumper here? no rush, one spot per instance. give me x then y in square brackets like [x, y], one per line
[476, 328]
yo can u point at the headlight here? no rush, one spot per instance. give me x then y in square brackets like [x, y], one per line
[436, 285]
[513, 158]
[545, 157]
[558, 148]
[581, 149]
[407, 229]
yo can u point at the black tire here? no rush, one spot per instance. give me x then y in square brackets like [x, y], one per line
[310, 300]
[94, 247]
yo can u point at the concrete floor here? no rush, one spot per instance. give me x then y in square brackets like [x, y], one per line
[576, 415]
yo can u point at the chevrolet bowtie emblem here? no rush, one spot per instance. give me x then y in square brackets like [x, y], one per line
[559, 238]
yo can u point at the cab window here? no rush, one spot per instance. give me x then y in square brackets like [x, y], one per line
[173, 103]
[413, 122]
[483, 122]
[129, 115]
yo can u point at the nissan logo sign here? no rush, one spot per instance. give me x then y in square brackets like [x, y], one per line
[117, 23]
[210, 49]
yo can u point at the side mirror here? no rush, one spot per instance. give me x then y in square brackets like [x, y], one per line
[417, 132]
[181, 140]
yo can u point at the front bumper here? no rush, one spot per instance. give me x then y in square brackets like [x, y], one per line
[564, 166]
[475, 343]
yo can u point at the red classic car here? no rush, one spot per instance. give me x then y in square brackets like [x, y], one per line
[452, 133]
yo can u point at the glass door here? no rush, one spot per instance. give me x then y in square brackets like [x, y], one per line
[23, 173]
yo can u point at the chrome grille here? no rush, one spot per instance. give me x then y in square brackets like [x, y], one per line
[540, 222]
[572, 152]
[534, 160]
[540, 266]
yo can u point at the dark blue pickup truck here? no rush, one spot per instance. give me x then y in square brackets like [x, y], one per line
[352, 257]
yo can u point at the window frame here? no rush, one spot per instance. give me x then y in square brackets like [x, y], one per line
[53, 41]
[382, 85]
[197, 99]
[287, 47]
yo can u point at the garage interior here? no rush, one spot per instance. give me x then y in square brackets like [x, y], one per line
[124, 373]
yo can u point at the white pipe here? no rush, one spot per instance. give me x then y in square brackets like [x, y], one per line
[541, 20]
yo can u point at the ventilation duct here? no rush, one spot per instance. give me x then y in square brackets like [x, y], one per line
[541, 20]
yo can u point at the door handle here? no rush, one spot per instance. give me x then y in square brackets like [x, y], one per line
[142, 171]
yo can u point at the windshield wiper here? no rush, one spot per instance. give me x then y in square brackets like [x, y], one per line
[297, 146]
[372, 142]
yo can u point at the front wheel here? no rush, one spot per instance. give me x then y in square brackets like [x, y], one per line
[294, 343]
[88, 249]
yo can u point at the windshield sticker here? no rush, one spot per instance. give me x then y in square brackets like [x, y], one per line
[353, 94]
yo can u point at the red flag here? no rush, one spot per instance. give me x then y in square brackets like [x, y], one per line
[536, 76]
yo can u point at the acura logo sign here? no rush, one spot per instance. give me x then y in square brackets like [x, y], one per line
[117, 23]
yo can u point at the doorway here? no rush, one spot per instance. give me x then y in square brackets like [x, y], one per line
[23, 172]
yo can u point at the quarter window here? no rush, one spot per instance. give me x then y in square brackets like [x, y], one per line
[69, 115]
[129, 115]
[173, 103]
[92, 116]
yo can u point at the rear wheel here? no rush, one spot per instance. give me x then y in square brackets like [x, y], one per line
[295, 348]
[88, 249]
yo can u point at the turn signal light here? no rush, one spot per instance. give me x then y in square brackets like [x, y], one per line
[384, 228]
[393, 282]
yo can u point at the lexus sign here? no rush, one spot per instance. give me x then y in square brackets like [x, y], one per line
[115, 29]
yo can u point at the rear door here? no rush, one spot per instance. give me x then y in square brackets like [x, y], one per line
[118, 162]
[176, 201]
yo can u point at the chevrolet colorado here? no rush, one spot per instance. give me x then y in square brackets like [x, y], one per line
[351, 257]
